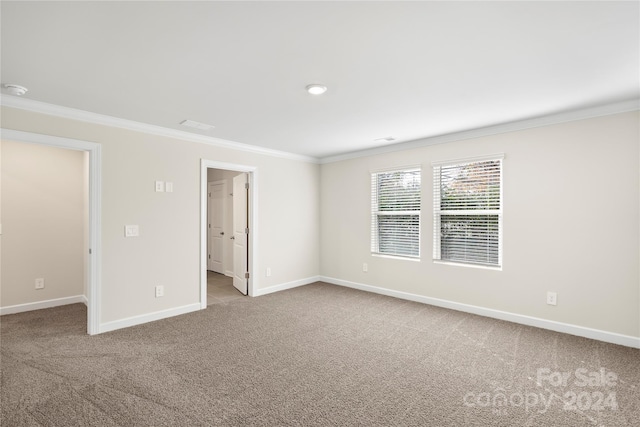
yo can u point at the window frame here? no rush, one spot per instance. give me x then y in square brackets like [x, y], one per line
[376, 213]
[438, 213]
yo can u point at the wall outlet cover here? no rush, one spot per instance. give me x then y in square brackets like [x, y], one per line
[131, 231]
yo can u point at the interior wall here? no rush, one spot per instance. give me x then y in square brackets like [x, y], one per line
[167, 252]
[43, 220]
[226, 175]
[571, 225]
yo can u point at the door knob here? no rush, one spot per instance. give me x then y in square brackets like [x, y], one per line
[233, 237]
[222, 233]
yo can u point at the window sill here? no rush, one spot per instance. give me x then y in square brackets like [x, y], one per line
[459, 264]
[401, 258]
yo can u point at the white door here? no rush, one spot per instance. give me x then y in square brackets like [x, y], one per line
[216, 226]
[240, 232]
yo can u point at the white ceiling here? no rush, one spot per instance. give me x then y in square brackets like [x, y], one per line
[409, 70]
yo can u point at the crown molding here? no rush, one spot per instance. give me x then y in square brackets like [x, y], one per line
[89, 117]
[551, 119]
[101, 119]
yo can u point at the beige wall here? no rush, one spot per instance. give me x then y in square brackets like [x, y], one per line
[571, 220]
[43, 221]
[168, 249]
[571, 225]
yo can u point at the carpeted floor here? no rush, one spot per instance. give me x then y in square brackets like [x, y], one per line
[318, 355]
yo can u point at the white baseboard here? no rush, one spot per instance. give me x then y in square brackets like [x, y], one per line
[284, 286]
[228, 273]
[149, 317]
[19, 308]
[581, 331]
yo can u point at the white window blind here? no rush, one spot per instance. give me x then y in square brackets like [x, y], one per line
[395, 213]
[468, 211]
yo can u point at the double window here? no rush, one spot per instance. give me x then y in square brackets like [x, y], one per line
[467, 212]
[467, 201]
[395, 213]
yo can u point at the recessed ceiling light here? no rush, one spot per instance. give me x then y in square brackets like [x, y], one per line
[197, 125]
[316, 89]
[385, 139]
[15, 89]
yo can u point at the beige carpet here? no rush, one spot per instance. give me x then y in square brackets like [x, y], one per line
[317, 355]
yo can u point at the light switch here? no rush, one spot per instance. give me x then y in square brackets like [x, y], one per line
[131, 231]
[168, 187]
[159, 186]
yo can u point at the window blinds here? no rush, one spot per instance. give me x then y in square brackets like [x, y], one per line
[468, 212]
[395, 213]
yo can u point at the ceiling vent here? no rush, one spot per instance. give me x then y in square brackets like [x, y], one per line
[196, 125]
[385, 139]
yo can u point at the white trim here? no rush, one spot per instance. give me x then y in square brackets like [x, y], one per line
[101, 119]
[398, 257]
[252, 171]
[469, 265]
[407, 168]
[535, 122]
[149, 317]
[39, 305]
[566, 328]
[94, 275]
[285, 286]
[467, 160]
[546, 120]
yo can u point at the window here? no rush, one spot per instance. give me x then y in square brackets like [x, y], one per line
[467, 202]
[395, 213]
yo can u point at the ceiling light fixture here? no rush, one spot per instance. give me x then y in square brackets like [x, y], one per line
[316, 89]
[16, 90]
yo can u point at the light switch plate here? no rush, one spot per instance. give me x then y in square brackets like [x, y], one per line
[131, 231]
[168, 187]
[159, 186]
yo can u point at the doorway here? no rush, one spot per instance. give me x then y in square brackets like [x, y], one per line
[93, 247]
[228, 231]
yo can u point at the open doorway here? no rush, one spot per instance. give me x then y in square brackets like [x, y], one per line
[227, 225]
[227, 231]
[87, 254]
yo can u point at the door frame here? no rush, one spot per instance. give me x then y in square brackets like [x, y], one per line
[94, 258]
[252, 171]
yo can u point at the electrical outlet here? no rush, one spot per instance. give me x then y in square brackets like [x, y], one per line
[365, 267]
[159, 186]
[552, 298]
[159, 291]
[268, 271]
[40, 283]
